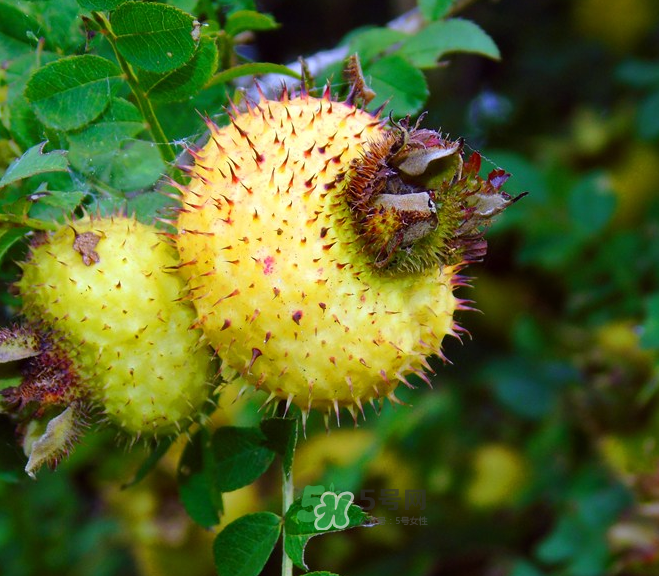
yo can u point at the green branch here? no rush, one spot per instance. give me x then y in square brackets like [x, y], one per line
[166, 151]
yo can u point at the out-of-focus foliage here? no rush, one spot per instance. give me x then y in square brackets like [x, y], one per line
[537, 449]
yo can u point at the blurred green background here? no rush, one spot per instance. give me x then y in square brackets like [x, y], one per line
[537, 447]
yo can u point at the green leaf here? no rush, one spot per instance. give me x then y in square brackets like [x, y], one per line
[244, 546]
[299, 527]
[244, 20]
[24, 125]
[100, 5]
[397, 81]
[8, 237]
[120, 122]
[196, 474]
[16, 32]
[60, 26]
[371, 43]
[241, 456]
[155, 37]
[650, 333]
[71, 92]
[151, 460]
[281, 435]
[434, 9]
[186, 81]
[136, 165]
[252, 69]
[66, 200]
[426, 47]
[148, 205]
[34, 161]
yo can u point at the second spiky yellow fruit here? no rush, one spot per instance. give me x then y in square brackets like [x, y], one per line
[107, 289]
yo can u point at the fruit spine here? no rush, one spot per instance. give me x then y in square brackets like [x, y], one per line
[322, 244]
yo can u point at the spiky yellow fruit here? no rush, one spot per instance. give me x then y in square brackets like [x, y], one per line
[315, 252]
[105, 286]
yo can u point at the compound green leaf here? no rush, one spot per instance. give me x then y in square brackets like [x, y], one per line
[244, 546]
[243, 20]
[241, 456]
[70, 93]
[398, 82]
[34, 161]
[437, 39]
[186, 81]
[154, 36]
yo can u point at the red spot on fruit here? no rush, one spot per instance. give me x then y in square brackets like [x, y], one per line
[297, 316]
[268, 265]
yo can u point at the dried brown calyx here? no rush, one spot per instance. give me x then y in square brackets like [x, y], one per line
[48, 404]
[416, 203]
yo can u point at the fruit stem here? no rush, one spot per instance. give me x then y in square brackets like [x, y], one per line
[287, 494]
[166, 151]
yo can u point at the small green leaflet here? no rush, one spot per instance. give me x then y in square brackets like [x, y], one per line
[8, 237]
[374, 42]
[399, 83]
[241, 456]
[153, 36]
[15, 27]
[34, 161]
[244, 20]
[434, 9]
[244, 546]
[73, 91]
[186, 81]
[437, 39]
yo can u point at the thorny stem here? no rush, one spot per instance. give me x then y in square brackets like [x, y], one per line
[287, 499]
[144, 104]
